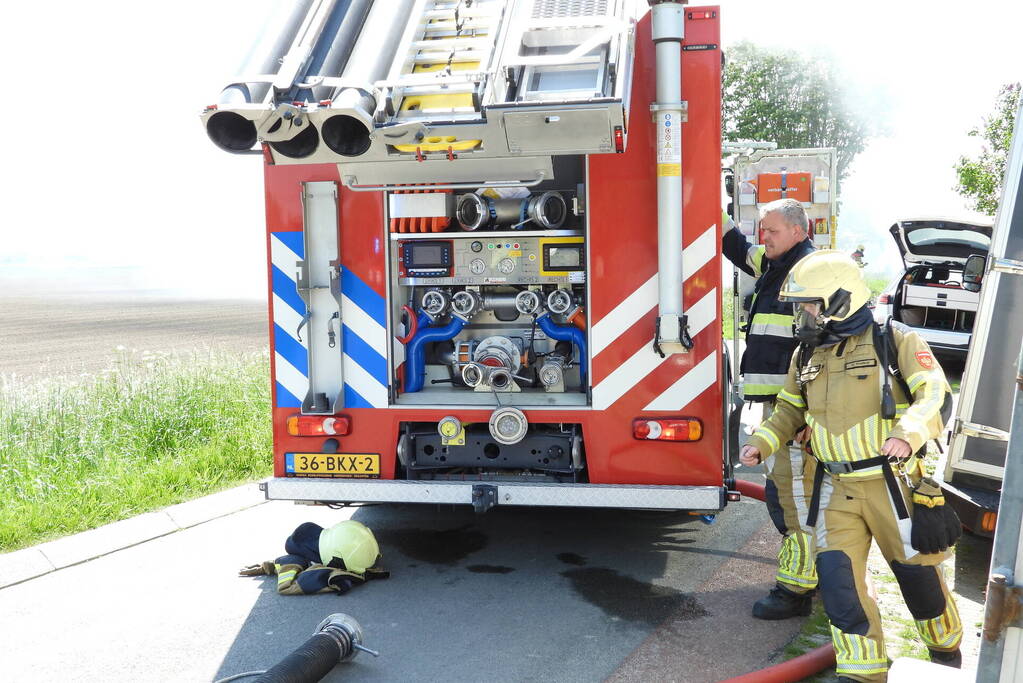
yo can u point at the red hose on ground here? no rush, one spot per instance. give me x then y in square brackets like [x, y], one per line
[793, 670]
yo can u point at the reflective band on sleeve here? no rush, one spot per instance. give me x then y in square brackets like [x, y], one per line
[768, 436]
[754, 258]
[794, 399]
[918, 378]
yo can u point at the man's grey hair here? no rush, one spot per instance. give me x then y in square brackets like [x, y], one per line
[791, 212]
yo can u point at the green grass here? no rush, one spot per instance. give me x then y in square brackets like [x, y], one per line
[152, 431]
[727, 306]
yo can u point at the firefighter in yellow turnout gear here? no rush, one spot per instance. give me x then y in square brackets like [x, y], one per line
[865, 432]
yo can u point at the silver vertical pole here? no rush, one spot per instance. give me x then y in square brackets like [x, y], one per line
[668, 29]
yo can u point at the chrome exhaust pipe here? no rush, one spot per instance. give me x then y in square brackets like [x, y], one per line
[345, 125]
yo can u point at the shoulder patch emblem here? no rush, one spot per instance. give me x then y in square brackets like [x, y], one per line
[925, 359]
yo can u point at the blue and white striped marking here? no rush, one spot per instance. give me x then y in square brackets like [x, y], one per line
[363, 332]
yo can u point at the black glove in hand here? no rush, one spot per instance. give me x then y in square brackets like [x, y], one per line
[936, 526]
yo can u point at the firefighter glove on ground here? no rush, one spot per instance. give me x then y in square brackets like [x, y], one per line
[936, 526]
[261, 569]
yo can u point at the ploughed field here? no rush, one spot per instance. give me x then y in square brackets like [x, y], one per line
[50, 334]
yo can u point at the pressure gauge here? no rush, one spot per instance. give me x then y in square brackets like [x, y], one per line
[506, 265]
[476, 246]
[477, 266]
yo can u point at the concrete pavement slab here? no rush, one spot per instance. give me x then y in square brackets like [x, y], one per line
[200, 510]
[87, 545]
[29, 563]
[22, 565]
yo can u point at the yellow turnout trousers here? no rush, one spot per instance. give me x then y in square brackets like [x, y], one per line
[852, 512]
[787, 495]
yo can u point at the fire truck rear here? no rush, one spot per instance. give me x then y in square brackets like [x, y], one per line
[493, 240]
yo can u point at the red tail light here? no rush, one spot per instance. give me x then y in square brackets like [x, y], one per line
[317, 425]
[884, 299]
[667, 429]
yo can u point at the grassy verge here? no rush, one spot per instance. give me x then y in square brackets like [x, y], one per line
[150, 432]
[727, 306]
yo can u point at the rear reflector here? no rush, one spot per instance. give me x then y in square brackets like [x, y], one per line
[667, 429]
[988, 521]
[317, 425]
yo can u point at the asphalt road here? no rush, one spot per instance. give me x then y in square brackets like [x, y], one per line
[516, 594]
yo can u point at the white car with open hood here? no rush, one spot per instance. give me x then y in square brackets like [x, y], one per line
[929, 296]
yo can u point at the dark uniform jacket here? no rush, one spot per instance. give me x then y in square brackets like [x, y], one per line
[769, 339]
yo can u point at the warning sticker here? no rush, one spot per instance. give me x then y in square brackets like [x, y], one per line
[669, 140]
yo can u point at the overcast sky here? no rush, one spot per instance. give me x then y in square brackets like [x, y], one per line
[110, 173]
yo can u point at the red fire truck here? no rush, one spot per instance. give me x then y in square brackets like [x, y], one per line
[493, 230]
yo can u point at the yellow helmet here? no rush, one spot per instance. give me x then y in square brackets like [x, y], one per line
[351, 542]
[830, 277]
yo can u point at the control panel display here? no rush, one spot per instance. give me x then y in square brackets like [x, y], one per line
[492, 260]
[425, 258]
[562, 257]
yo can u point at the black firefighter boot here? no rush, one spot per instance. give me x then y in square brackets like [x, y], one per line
[953, 659]
[782, 603]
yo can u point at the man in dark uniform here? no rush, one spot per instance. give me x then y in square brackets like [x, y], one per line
[769, 346]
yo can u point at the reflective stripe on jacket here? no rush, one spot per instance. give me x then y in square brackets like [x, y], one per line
[769, 340]
[843, 401]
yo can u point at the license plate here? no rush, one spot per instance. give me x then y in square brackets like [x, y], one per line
[345, 465]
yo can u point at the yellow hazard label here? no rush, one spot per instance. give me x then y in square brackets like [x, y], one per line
[669, 170]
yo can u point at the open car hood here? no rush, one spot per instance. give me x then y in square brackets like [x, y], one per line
[940, 240]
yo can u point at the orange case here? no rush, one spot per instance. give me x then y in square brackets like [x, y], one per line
[771, 186]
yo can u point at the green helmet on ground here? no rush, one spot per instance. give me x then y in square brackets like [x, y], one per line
[352, 542]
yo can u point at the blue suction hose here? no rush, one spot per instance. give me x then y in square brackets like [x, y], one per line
[569, 333]
[415, 350]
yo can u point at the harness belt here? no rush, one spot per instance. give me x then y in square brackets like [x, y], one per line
[855, 466]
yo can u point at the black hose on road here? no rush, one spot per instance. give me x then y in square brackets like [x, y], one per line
[337, 639]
